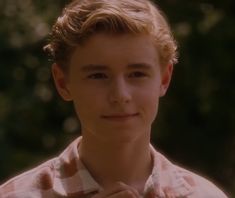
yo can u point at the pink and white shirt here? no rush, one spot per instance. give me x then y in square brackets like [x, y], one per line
[66, 176]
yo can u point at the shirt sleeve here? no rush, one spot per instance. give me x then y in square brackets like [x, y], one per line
[205, 189]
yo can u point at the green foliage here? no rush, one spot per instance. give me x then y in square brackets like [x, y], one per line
[195, 126]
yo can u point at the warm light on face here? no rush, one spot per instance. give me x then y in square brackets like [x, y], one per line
[115, 83]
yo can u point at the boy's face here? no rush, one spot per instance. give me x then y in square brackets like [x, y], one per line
[115, 82]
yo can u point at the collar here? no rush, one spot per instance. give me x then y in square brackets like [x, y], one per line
[72, 177]
[167, 180]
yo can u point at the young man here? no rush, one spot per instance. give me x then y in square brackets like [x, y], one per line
[114, 60]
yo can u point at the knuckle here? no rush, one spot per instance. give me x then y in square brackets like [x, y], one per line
[129, 194]
[95, 196]
[120, 185]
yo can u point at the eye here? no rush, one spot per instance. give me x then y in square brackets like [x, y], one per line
[97, 76]
[137, 74]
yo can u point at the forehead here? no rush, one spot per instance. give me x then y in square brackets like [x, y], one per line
[108, 49]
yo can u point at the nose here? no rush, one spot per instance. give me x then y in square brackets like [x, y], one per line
[119, 92]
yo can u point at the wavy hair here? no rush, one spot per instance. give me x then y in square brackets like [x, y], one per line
[82, 18]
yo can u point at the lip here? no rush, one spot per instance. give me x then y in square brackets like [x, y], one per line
[120, 117]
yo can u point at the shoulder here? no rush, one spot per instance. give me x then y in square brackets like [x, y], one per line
[201, 187]
[54, 178]
[36, 181]
[182, 182]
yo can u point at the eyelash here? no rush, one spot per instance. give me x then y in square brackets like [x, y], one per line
[136, 74]
[97, 76]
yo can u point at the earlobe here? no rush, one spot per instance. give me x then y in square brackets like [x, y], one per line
[166, 79]
[60, 81]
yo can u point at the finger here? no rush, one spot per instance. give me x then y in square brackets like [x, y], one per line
[124, 194]
[132, 189]
[116, 188]
[169, 192]
[150, 194]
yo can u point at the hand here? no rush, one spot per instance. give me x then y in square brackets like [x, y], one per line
[118, 190]
[121, 190]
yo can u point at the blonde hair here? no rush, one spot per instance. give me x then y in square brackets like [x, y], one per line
[82, 18]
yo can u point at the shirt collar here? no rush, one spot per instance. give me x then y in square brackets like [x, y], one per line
[71, 175]
[166, 178]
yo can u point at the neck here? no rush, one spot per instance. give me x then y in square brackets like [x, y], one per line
[109, 162]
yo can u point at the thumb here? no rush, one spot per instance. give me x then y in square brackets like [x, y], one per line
[150, 194]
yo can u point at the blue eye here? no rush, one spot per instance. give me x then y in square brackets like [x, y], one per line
[97, 76]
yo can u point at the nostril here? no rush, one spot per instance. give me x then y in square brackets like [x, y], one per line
[119, 91]
[120, 96]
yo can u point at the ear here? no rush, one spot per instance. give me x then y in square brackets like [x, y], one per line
[60, 81]
[166, 79]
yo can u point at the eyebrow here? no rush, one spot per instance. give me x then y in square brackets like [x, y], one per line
[94, 67]
[140, 66]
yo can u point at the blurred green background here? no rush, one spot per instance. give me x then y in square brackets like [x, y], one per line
[196, 122]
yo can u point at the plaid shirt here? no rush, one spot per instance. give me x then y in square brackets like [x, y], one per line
[66, 176]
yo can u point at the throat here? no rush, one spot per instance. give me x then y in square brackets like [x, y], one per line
[130, 164]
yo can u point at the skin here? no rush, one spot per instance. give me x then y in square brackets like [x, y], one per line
[115, 82]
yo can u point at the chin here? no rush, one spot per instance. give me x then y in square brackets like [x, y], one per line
[124, 136]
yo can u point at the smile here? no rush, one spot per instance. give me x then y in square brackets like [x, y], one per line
[120, 117]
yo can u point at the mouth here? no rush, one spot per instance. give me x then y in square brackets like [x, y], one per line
[120, 117]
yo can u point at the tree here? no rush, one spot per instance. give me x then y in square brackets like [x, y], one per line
[195, 124]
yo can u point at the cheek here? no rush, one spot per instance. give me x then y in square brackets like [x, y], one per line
[152, 102]
[87, 104]
[151, 93]
[149, 101]
[153, 109]
[81, 101]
